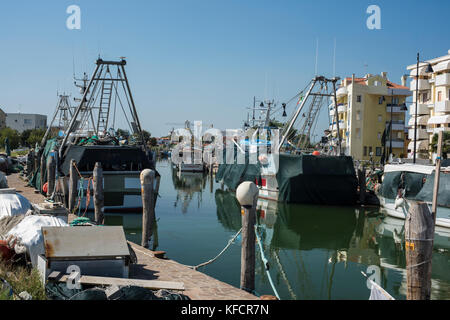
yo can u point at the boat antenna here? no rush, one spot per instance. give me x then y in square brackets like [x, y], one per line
[334, 59]
[317, 56]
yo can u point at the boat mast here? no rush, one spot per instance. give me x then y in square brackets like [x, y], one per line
[103, 85]
[314, 109]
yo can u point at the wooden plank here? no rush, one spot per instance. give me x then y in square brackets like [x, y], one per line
[91, 280]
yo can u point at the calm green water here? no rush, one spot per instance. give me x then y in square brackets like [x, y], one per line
[314, 252]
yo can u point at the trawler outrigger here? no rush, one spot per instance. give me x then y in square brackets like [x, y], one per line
[92, 134]
[297, 176]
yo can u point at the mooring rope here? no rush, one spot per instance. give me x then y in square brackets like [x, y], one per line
[266, 264]
[221, 252]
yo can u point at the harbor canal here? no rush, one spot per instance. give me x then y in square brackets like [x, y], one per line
[314, 252]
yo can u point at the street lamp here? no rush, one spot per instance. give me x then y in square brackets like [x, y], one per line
[429, 69]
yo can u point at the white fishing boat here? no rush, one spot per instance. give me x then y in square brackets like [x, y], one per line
[406, 183]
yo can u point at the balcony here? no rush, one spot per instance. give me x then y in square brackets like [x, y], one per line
[421, 121]
[342, 125]
[342, 91]
[396, 108]
[422, 108]
[442, 106]
[421, 134]
[436, 130]
[342, 107]
[396, 143]
[396, 124]
[423, 84]
[443, 80]
[420, 145]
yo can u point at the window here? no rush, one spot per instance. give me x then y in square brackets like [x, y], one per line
[380, 118]
[395, 100]
[424, 96]
[27, 121]
[370, 150]
[399, 135]
[358, 115]
[358, 133]
[358, 98]
[365, 151]
[378, 151]
[439, 96]
[380, 100]
[379, 135]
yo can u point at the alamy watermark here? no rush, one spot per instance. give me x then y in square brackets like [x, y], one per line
[373, 22]
[230, 146]
[73, 22]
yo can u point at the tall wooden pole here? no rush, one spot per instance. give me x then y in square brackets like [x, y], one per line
[99, 199]
[247, 195]
[73, 185]
[148, 210]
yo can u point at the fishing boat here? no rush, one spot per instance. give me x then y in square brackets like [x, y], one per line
[289, 172]
[406, 183]
[93, 134]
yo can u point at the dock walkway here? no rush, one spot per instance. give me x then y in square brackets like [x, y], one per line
[198, 286]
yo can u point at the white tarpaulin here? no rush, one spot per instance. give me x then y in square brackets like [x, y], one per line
[28, 233]
[13, 204]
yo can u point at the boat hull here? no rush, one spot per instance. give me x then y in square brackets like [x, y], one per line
[388, 207]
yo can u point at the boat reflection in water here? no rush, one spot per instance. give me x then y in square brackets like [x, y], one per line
[188, 185]
[318, 252]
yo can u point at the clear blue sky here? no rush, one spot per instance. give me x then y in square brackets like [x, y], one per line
[206, 59]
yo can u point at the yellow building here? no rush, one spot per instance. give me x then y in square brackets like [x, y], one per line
[365, 109]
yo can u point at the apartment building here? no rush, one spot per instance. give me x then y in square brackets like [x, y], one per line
[366, 107]
[25, 121]
[433, 103]
[2, 119]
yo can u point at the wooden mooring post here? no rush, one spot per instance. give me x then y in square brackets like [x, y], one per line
[73, 185]
[147, 178]
[419, 233]
[51, 174]
[420, 225]
[247, 195]
[99, 198]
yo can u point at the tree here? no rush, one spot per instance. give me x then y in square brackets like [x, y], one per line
[153, 142]
[146, 135]
[445, 143]
[36, 135]
[13, 136]
[122, 133]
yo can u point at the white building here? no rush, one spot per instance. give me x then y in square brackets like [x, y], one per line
[26, 121]
[433, 107]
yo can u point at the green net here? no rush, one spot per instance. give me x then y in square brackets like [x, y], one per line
[35, 181]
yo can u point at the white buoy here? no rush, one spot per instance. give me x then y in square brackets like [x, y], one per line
[246, 193]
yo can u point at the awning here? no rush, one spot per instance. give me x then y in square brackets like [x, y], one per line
[439, 119]
[422, 120]
[441, 66]
[420, 145]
